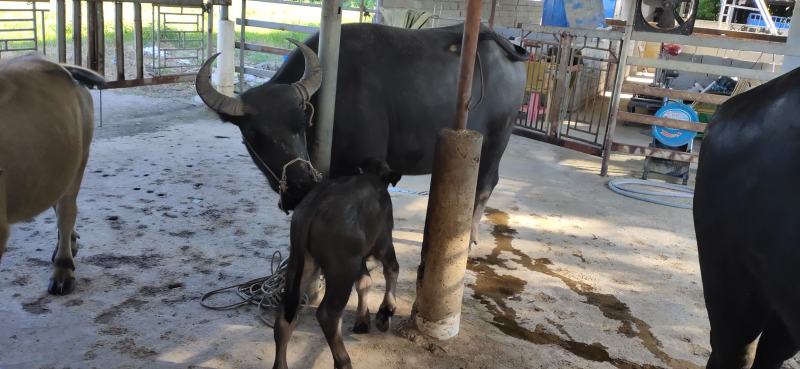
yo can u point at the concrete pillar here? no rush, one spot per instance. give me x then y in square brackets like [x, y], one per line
[445, 247]
[225, 62]
[791, 60]
[330, 31]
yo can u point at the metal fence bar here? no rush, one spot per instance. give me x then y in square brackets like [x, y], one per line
[101, 40]
[276, 26]
[713, 42]
[721, 70]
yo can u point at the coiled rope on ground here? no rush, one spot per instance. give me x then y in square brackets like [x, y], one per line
[627, 187]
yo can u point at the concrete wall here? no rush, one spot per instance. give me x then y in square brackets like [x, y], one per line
[509, 13]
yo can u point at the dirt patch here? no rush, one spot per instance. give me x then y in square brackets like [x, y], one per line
[128, 346]
[38, 306]
[109, 261]
[109, 315]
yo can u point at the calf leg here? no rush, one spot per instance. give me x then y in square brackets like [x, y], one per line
[339, 282]
[363, 286]
[775, 346]
[284, 328]
[391, 269]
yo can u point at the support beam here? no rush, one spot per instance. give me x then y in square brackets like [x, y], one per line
[445, 246]
[77, 58]
[329, 37]
[625, 50]
[61, 30]
[791, 60]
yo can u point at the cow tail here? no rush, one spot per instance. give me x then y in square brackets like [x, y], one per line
[298, 239]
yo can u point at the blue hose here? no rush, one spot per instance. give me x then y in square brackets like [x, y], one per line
[672, 191]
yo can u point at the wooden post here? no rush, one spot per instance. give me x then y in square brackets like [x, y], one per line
[445, 245]
[91, 34]
[101, 40]
[77, 58]
[492, 11]
[137, 33]
[119, 47]
[61, 30]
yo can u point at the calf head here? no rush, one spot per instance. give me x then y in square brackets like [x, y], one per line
[273, 119]
[380, 169]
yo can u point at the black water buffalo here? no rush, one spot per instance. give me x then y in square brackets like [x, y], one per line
[335, 228]
[747, 219]
[46, 125]
[396, 90]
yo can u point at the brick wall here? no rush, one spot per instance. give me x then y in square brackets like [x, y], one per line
[509, 13]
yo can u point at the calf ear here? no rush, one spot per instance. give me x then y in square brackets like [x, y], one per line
[393, 178]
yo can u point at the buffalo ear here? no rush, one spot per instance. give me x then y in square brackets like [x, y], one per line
[393, 178]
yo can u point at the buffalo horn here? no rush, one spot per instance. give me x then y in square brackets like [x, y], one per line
[312, 76]
[216, 100]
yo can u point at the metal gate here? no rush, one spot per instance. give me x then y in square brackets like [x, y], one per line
[20, 25]
[179, 38]
[568, 94]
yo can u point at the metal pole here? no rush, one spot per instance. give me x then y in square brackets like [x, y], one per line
[329, 35]
[625, 50]
[61, 30]
[210, 39]
[378, 17]
[91, 35]
[792, 58]
[469, 47]
[445, 245]
[101, 40]
[76, 33]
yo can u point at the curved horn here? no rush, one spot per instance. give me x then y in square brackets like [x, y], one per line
[216, 100]
[312, 76]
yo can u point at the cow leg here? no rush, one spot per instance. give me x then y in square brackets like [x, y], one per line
[775, 346]
[362, 312]
[391, 269]
[283, 328]
[339, 282]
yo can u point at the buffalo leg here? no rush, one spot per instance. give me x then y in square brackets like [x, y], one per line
[63, 280]
[775, 346]
[391, 269]
[339, 282]
[362, 312]
[488, 175]
[284, 328]
[735, 311]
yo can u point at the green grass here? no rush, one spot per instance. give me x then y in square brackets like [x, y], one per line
[300, 15]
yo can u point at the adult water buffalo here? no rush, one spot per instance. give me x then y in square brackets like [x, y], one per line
[46, 125]
[396, 90]
[746, 217]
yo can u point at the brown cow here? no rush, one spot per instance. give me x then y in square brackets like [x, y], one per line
[46, 125]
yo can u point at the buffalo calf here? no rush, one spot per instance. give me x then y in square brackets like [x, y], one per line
[46, 125]
[335, 228]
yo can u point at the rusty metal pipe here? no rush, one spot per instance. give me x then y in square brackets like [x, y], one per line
[469, 47]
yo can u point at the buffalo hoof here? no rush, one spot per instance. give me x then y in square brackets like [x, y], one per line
[383, 319]
[62, 286]
[361, 327]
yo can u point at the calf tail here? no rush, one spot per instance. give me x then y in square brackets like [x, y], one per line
[298, 239]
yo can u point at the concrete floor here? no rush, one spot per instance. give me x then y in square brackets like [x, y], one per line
[567, 274]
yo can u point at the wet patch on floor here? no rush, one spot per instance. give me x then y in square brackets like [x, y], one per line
[493, 289]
